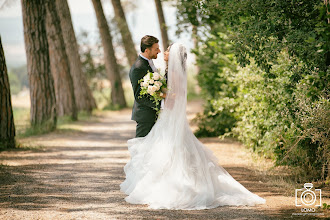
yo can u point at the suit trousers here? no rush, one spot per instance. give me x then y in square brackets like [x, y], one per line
[143, 128]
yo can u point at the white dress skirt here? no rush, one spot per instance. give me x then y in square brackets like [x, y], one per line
[170, 168]
[169, 175]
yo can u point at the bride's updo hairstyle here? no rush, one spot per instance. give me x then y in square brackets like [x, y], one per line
[183, 56]
[169, 48]
[176, 97]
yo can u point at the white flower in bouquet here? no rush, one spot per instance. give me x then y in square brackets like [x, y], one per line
[145, 84]
[157, 87]
[154, 85]
[159, 84]
[152, 89]
[146, 77]
[156, 76]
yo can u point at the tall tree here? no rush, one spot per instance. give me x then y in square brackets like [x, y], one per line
[42, 93]
[187, 16]
[124, 31]
[84, 98]
[195, 40]
[7, 126]
[162, 23]
[117, 92]
[64, 88]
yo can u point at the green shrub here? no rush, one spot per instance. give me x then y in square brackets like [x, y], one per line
[277, 102]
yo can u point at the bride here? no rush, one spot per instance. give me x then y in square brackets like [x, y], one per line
[170, 168]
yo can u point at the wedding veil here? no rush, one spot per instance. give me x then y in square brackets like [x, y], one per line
[176, 99]
[174, 112]
[170, 168]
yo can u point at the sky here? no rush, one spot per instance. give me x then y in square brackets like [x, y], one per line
[141, 21]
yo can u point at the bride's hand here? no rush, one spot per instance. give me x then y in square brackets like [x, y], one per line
[164, 90]
[169, 102]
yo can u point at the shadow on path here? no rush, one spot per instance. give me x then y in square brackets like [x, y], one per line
[78, 176]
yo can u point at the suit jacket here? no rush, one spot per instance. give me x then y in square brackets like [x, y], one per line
[143, 107]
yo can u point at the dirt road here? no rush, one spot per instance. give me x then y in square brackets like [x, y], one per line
[77, 172]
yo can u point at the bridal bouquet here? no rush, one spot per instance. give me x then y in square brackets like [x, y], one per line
[155, 85]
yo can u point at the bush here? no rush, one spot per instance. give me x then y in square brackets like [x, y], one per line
[277, 118]
[277, 102]
[305, 145]
[217, 68]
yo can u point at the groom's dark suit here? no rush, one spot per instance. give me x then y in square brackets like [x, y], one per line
[143, 112]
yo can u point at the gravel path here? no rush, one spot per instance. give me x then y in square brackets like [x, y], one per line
[76, 175]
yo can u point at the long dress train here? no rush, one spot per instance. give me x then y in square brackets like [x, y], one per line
[170, 168]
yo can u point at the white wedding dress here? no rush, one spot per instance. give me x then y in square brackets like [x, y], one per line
[170, 168]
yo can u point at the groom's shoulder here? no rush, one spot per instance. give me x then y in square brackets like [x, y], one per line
[140, 63]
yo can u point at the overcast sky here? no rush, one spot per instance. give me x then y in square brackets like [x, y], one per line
[12, 8]
[142, 20]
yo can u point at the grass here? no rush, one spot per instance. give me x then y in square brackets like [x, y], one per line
[82, 116]
[193, 90]
[23, 128]
[193, 96]
[21, 147]
[21, 119]
[65, 123]
[3, 166]
[102, 97]
[281, 177]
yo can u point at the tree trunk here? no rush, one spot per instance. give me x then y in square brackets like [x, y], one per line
[162, 24]
[111, 66]
[327, 54]
[195, 40]
[64, 90]
[327, 4]
[7, 126]
[84, 98]
[194, 36]
[42, 94]
[124, 31]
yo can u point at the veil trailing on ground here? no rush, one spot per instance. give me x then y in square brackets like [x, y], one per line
[170, 168]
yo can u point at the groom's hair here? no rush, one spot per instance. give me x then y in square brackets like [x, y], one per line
[147, 42]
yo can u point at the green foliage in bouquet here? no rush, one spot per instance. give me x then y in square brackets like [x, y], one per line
[154, 86]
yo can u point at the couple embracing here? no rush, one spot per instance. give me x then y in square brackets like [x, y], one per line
[169, 167]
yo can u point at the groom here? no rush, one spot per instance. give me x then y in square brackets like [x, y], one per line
[143, 112]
